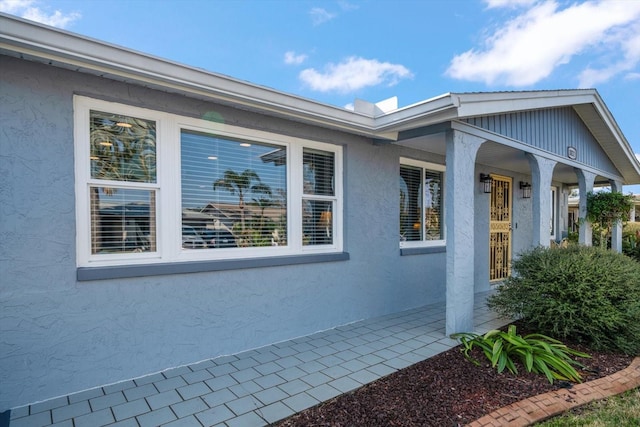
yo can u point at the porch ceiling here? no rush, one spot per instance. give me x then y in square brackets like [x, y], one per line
[493, 155]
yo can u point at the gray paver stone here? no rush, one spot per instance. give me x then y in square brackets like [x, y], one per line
[323, 392]
[130, 409]
[189, 407]
[268, 381]
[95, 419]
[140, 392]
[245, 389]
[217, 398]
[197, 376]
[170, 383]
[271, 395]
[86, 395]
[300, 402]
[148, 379]
[294, 387]
[36, 420]
[156, 417]
[49, 404]
[189, 421]
[67, 412]
[163, 399]
[247, 420]
[244, 405]
[215, 415]
[220, 383]
[275, 412]
[193, 390]
[107, 401]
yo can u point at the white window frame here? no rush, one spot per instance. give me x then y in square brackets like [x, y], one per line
[168, 189]
[432, 167]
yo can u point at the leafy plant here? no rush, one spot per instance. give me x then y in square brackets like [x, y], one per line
[589, 294]
[538, 353]
[606, 208]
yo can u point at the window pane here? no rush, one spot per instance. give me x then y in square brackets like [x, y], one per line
[410, 204]
[433, 205]
[318, 172]
[122, 220]
[123, 148]
[234, 193]
[317, 222]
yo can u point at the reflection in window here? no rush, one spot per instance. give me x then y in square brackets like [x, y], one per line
[420, 204]
[318, 197]
[234, 193]
[123, 148]
[122, 220]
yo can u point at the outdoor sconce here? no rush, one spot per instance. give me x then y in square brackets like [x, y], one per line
[526, 190]
[486, 182]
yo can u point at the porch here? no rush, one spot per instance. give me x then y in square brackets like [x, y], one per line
[262, 386]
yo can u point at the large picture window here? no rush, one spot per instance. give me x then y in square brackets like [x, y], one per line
[157, 187]
[421, 203]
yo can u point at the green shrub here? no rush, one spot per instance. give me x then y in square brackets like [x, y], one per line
[538, 353]
[587, 294]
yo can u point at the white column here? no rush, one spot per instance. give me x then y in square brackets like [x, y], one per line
[461, 185]
[541, 176]
[585, 185]
[616, 231]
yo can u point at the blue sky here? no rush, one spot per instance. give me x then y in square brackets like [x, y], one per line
[336, 51]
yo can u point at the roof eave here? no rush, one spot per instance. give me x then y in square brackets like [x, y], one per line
[34, 41]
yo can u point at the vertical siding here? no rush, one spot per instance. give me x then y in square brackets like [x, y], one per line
[552, 130]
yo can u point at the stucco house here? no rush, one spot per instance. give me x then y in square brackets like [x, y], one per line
[156, 214]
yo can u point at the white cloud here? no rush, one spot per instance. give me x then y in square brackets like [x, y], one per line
[344, 5]
[291, 58]
[354, 73]
[320, 15]
[491, 4]
[530, 46]
[30, 9]
[350, 107]
[638, 156]
[629, 42]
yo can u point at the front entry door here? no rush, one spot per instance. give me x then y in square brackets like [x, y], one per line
[500, 228]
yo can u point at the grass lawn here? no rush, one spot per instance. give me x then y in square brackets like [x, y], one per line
[619, 411]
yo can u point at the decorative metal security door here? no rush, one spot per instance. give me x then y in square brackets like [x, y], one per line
[500, 228]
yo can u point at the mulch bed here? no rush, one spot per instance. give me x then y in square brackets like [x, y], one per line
[445, 390]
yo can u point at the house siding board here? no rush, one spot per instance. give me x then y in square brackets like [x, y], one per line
[60, 335]
[552, 130]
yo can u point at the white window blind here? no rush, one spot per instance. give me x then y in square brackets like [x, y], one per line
[421, 203]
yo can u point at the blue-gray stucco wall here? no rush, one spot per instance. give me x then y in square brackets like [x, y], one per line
[58, 335]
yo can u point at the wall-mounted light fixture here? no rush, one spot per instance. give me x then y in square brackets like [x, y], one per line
[526, 190]
[486, 182]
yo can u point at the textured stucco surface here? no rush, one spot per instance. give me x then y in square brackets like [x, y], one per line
[58, 335]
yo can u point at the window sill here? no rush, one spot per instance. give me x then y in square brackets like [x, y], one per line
[142, 270]
[423, 250]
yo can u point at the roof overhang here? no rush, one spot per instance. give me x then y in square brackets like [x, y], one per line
[37, 42]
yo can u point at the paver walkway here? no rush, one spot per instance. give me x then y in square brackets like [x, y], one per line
[261, 386]
[543, 406]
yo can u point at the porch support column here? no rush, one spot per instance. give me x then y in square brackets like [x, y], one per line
[541, 175]
[460, 189]
[585, 185]
[616, 231]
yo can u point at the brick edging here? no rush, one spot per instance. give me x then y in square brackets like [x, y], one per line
[546, 405]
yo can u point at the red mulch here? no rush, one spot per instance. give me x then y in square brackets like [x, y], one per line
[445, 390]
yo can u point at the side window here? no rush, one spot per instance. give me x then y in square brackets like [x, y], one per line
[123, 185]
[421, 203]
